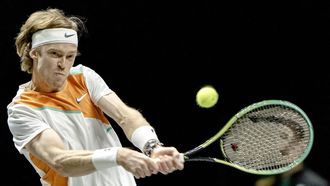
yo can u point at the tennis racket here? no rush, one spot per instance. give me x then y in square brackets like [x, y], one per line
[265, 138]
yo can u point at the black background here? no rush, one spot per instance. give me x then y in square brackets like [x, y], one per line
[157, 54]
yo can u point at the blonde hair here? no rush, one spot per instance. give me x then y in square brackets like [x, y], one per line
[39, 20]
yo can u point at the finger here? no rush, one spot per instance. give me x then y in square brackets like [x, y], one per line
[149, 168]
[142, 169]
[154, 167]
[136, 174]
[166, 165]
[179, 161]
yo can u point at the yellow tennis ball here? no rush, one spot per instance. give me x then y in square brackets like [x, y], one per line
[207, 97]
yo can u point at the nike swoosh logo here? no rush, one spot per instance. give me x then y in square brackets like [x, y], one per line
[80, 98]
[68, 35]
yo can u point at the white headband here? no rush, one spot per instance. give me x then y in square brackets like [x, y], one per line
[54, 35]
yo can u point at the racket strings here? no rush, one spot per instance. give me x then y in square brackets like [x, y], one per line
[266, 138]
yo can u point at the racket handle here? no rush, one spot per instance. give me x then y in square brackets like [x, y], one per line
[181, 157]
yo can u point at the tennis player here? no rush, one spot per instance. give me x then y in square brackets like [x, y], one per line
[58, 119]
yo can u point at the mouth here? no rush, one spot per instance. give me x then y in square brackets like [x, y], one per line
[59, 74]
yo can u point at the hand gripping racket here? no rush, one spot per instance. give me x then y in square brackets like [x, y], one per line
[265, 138]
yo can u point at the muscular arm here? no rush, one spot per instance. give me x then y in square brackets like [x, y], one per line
[128, 118]
[48, 147]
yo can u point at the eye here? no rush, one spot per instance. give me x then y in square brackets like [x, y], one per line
[71, 56]
[54, 54]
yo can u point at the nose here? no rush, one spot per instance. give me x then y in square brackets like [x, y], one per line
[60, 63]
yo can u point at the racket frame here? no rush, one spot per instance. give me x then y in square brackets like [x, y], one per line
[241, 113]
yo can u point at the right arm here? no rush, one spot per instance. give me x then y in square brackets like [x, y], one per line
[48, 147]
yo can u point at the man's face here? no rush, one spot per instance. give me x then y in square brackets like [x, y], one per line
[52, 65]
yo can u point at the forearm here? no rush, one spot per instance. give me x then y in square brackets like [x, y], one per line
[129, 119]
[74, 163]
[141, 134]
[134, 125]
[133, 121]
[49, 148]
[79, 164]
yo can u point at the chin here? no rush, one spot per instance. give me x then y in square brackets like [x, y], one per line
[58, 86]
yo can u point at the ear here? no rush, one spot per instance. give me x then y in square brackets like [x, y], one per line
[33, 54]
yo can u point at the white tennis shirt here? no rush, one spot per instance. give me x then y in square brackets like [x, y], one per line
[73, 114]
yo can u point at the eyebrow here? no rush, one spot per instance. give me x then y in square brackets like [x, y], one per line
[61, 51]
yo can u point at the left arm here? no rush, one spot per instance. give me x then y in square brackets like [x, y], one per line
[130, 119]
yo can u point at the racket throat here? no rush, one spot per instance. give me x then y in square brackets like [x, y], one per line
[193, 151]
[205, 159]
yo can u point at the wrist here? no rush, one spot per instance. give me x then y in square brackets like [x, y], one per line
[142, 135]
[105, 158]
[150, 146]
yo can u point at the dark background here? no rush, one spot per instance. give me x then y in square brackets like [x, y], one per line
[157, 54]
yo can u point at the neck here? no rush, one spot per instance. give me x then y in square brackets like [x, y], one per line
[35, 87]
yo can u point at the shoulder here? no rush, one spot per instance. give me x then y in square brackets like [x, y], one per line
[78, 69]
[81, 69]
[17, 97]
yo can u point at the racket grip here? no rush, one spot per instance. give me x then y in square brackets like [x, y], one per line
[181, 157]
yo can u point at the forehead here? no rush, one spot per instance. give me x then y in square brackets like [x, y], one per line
[63, 47]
